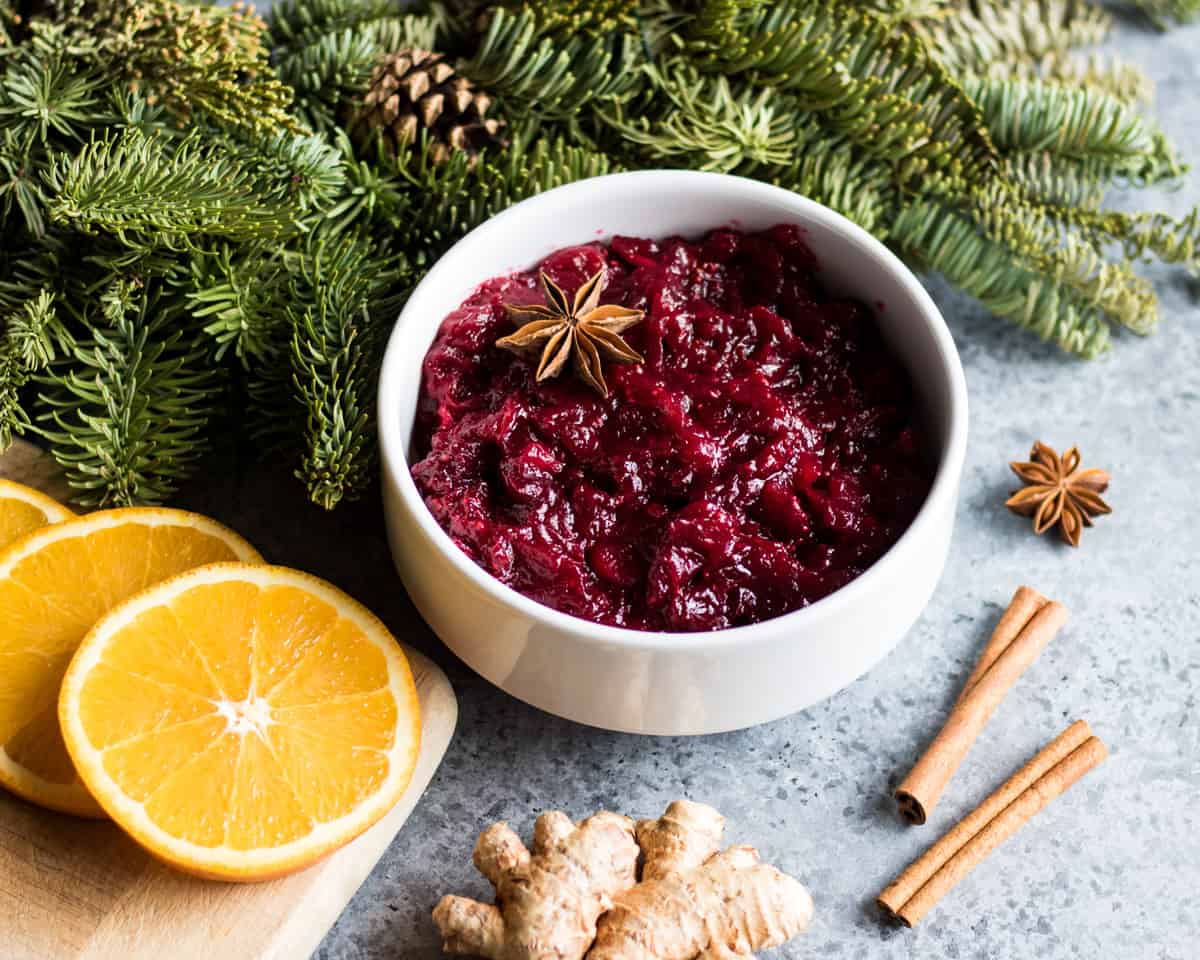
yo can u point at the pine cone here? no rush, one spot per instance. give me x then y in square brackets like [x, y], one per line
[415, 90]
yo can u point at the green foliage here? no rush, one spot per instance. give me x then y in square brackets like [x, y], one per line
[548, 77]
[1004, 33]
[13, 377]
[185, 219]
[325, 50]
[1075, 122]
[151, 192]
[201, 58]
[1162, 13]
[34, 333]
[125, 412]
[706, 125]
[334, 355]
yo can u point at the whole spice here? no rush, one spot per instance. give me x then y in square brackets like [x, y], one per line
[1055, 768]
[1058, 493]
[1022, 633]
[580, 329]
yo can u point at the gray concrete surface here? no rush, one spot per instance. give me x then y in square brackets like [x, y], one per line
[1109, 870]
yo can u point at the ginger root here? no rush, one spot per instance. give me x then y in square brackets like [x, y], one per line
[575, 895]
[697, 904]
[547, 900]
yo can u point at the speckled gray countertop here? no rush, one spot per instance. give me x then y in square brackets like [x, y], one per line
[1111, 869]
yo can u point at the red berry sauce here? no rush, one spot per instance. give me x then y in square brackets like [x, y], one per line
[764, 455]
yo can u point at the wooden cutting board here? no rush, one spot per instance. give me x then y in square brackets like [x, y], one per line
[81, 890]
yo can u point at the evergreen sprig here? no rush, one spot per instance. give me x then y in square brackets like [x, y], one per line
[186, 221]
[126, 412]
[153, 192]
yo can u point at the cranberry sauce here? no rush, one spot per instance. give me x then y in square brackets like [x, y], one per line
[763, 455]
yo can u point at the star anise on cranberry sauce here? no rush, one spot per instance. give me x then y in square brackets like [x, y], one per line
[1058, 492]
[580, 329]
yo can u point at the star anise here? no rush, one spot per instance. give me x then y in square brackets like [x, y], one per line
[1058, 492]
[580, 329]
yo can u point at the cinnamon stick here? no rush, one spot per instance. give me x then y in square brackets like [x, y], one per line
[1023, 632]
[1024, 604]
[1051, 772]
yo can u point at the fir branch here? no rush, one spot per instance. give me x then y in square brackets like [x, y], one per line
[327, 73]
[949, 242]
[874, 86]
[14, 421]
[1058, 181]
[326, 50]
[34, 333]
[831, 172]
[1104, 74]
[149, 193]
[372, 193]
[297, 25]
[126, 416]
[570, 18]
[450, 199]
[20, 187]
[1075, 122]
[1043, 244]
[334, 354]
[1164, 13]
[46, 97]
[10, 21]
[701, 122]
[303, 171]
[551, 78]
[241, 295]
[1006, 33]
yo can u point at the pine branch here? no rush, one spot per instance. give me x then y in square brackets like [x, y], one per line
[1104, 74]
[867, 83]
[125, 417]
[35, 335]
[241, 296]
[14, 421]
[150, 193]
[550, 78]
[946, 241]
[1075, 122]
[702, 123]
[975, 37]
[334, 354]
[1164, 13]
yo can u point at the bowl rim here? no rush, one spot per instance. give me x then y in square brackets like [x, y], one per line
[394, 452]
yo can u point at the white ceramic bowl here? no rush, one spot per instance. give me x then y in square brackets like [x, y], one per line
[671, 683]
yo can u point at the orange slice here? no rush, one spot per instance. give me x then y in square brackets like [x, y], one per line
[55, 583]
[240, 722]
[23, 510]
